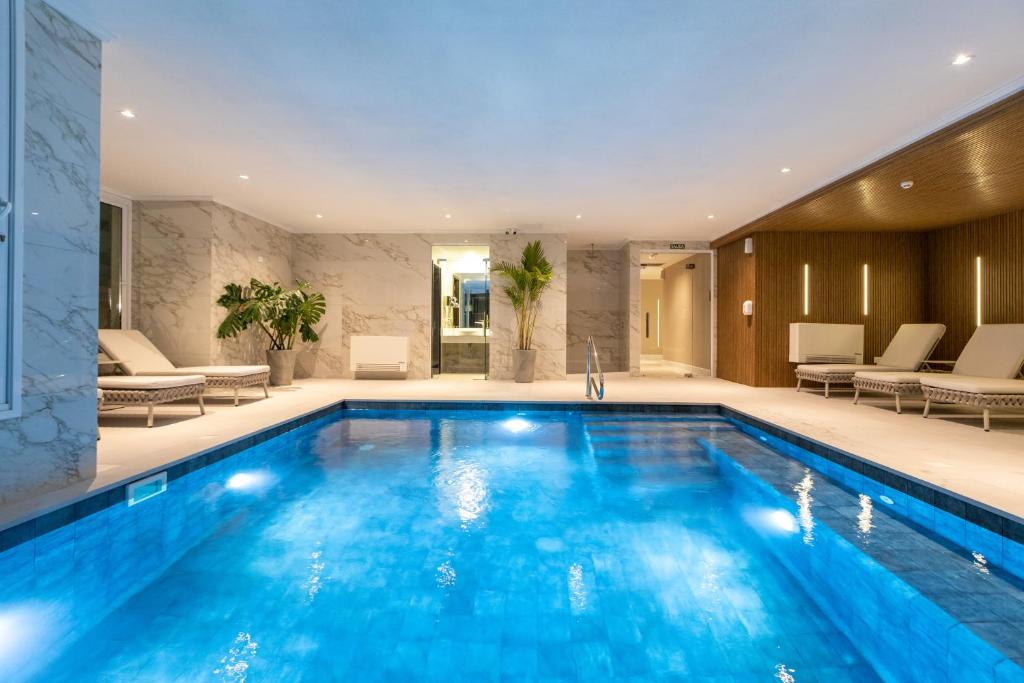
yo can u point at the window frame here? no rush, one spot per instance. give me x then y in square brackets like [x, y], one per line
[125, 204]
[11, 322]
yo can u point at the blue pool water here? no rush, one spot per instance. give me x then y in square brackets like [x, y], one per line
[486, 546]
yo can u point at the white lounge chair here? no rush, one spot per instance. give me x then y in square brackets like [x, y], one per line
[150, 391]
[993, 352]
[136, 355]
[984, 374]
[909, 348]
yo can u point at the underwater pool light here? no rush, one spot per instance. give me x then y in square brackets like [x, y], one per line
[249, 481]
[782, 520]
[516, 425]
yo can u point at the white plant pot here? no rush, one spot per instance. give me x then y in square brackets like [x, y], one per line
[282, 366]
[524, 363]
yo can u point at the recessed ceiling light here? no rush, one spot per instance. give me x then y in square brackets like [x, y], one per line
[447, 216]
[579, 216]
[35, 213]
[785, 169]
[962, 59]
[243, 176]
[907, 184]
[711, 216]
[128, 113]
[319, 215]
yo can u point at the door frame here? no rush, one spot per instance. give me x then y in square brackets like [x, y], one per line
[124, 203]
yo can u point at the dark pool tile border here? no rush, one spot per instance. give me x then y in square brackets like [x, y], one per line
[996, 522]
[971, 512]
[538, 406]
[101, 500]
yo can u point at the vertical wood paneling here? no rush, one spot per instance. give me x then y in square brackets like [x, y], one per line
[736, 333]
[951, 254]
[896, 295]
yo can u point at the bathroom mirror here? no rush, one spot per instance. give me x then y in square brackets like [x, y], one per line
[474, 298]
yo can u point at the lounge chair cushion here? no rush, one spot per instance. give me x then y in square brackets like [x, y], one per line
[911, 345]
[133, 351]
[975, 385]
[839, 368]
[216, 370]
[894, 377]
[148, 382]
[993, 351]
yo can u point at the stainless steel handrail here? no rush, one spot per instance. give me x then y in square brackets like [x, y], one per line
[593, 385]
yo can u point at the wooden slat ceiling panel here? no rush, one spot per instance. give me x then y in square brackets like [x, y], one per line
[970, 169]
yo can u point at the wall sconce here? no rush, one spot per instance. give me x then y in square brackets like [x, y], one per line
[807, 289]
[748, 245]
[748, 308]
[865, 277]
[977, 291]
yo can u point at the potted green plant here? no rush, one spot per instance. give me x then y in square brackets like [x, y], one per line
[526, 281]
[283, 314]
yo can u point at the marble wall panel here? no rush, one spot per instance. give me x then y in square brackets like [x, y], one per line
[172, 244]
[595, 308]
[549, 335]
[379, 284]
[53, 442]
[243, 247]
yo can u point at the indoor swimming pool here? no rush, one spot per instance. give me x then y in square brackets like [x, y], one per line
[487, 545]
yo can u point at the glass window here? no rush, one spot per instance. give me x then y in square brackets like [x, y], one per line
[111, 258]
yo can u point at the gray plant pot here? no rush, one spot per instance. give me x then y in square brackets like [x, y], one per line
[282, 366]
[524, 363]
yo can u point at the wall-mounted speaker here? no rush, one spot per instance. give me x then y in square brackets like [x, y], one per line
[748, 245]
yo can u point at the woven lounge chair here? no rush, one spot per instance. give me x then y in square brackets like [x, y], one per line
[984, 374]
[136, 355]
[150, 391]
[993, 352]
[909, 348]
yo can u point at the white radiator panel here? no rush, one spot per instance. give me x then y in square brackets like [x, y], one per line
[373, 357]
[826, 343]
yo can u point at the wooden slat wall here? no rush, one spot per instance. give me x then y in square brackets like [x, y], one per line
[736, 333]
[951, 291]
[896, 295]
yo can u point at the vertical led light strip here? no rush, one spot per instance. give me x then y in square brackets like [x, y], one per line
[807, 288]
[657, 322]
[977, 291]
[865, 289]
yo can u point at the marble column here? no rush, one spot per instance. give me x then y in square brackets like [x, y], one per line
[53, 443]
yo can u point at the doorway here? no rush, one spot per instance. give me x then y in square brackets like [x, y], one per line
[460, 311]
[675, 315]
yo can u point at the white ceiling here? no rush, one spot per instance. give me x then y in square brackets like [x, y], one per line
[643, 117]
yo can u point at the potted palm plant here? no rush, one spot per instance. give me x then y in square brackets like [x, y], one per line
[526, 281]
[283, 314]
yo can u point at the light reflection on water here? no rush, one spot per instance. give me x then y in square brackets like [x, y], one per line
[234, 666]
[864, 521]
[803, 501]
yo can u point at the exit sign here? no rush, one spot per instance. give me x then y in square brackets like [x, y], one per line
[677, 245]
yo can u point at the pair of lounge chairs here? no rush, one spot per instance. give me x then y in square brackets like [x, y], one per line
[150, 379]
[983, 375]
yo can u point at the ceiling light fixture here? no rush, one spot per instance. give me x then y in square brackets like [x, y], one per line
[907, 184]
[785, 169]
[711, 216]
[319, 215]
[128, 113]
[447, 216]
[243, 177]
[578, 216]
[962, 59]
